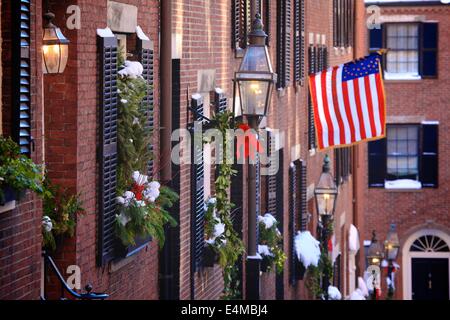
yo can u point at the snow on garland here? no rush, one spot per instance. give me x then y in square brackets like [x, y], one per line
[307, 249]
[132, 70]
[334, 293]
[214, 228]
[271, 243]
[143, 210]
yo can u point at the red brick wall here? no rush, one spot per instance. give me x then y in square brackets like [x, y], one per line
[428, 100]
[206, 45]
[71, 127]
[20, 229]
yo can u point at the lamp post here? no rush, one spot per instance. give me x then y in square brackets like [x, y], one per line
[253, 83]
[326, 193]
[55, 47]
[374, 258]
[391, 247]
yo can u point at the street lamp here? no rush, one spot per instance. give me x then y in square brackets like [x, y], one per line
[326, 193]
[55, 47]
[374, 258]
[391, 247]
[253, 83]
[375, 252]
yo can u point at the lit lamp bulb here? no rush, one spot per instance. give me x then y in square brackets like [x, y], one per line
[255, 88]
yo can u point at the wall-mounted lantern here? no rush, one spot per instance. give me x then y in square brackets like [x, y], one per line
[55, 47]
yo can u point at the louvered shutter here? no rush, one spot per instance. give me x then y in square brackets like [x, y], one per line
[240, 17]
[303, 196]
[429, 50]
[21, 75]
[279, 280]
[292, 222]
[287, 41]
[146, 57]
[335, 24]
[320, 59]
[302, 41]
[337, 166]
[198, 190]
[108, 147]
[311, 126]
[266, 15]
[220, 105]
[281, 49]
[377, 163]
[297, 41]
[429, 156]
[272, 178]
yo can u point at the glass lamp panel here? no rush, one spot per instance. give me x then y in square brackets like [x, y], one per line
[51, 58]
[325, 203]
[255, 59]
[64, 57]
[253, 97]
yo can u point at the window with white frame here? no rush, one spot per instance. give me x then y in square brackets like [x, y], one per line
[403, 43]
[403, 151]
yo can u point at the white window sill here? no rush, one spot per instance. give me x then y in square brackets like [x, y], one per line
[8, 206]
[402, 76]
[403, 185]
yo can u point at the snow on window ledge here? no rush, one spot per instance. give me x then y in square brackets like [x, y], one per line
[401, 76]
[403, 184]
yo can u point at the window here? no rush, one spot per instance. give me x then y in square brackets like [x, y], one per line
[412, 48]
[343, 21]
[402, 152]
[407, 158]
[403, 44]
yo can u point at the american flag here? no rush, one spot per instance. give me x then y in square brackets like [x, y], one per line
[349, 103]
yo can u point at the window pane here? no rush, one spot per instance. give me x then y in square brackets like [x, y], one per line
[402, 147]
[402, 40]
[412, 148]
[402, 133]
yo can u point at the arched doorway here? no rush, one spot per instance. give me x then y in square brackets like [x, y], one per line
[426, 266]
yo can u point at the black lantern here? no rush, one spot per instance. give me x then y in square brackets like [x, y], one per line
[255, 78]
[375, 252]
[55, 47]
[392, 244]
[326, 191]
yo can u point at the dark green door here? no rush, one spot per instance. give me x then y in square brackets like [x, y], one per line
[430, 279]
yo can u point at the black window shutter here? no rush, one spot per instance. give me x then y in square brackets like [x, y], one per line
[220, 105]
[311, 126]
[281, 48]
[292, 222]
[429, 50]
[107, 48]
[21, 74]
[303, 196]
[377, 163]
[146, 57]
[297, 40]
[287, 41]
[375, 39]
[266, 15]
[272, 178]
[429, 158]
[198, 191]
[337, 165]
[240, 18]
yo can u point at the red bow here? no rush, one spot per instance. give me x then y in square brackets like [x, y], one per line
[137, 190]
[330, 245]
[251, 145]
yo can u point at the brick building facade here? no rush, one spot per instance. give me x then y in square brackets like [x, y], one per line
[417, 100]
[304, 36]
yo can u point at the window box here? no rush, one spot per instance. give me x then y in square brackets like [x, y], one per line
[210, 257]
[402, 185]
[11, 194]
[122, 251]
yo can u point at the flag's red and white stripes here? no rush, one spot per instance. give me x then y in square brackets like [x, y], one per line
[346, 112]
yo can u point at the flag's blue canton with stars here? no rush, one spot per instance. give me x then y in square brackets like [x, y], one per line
[358, 69]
